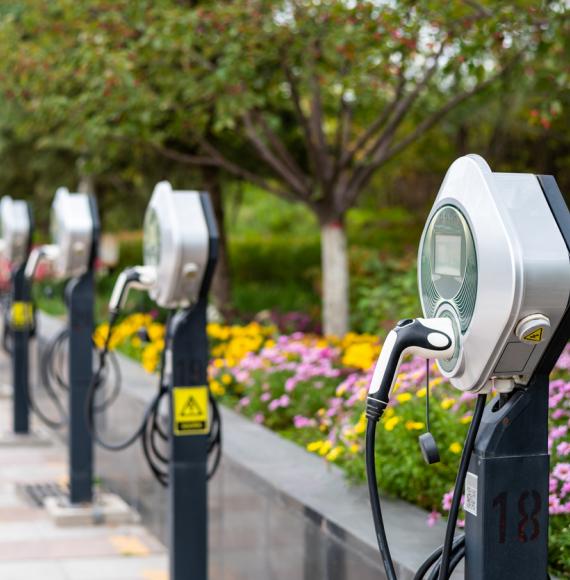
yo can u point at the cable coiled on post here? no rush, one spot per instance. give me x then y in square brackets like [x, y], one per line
[150, 430]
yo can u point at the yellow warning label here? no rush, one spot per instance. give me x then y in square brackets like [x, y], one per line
[190, 410]
[22, 315]
[534, 335]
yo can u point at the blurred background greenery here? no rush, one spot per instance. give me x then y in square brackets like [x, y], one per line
[295, 116]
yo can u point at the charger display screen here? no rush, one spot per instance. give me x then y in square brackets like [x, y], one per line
[447, 260]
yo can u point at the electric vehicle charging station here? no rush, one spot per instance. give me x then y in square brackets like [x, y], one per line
[71, 255]
[16, 226]
[180, 252]
[494, 281]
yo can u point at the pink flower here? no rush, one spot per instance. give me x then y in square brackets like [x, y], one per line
[562, 472]
[265, 397]
[446, 501]
[433, 518]
[258, 418]
[553, 503]
[284, 401]
[300, 422]
[290, 384]
[274, 405]
[244, 402]
[558, 432]
[563, 448]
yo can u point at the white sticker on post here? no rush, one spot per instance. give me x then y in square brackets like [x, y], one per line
[470, 503]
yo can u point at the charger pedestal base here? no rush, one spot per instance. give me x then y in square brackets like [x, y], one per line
[31, 439]
[106, 509]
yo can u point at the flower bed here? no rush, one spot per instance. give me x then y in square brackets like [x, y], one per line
[312, 389]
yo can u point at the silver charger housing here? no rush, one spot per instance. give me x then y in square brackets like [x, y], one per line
[177, 240]
[73, 228]
[15, 230]
[493, 260]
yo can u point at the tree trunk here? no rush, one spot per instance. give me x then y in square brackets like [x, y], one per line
[221, 284]
[334, 259]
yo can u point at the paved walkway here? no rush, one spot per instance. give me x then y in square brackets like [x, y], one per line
[32, 547]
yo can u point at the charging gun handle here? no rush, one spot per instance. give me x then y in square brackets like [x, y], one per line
[36, 256]
[425, 337]
[142, 277]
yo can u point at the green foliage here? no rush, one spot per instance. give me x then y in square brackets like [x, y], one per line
[384, 289]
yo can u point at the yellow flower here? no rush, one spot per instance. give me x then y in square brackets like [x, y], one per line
[436, 381]
[334, 453]
[414, 425]
[389, 412]
[156, 331]
[422, 393]
[466, 419]
[226, 379]
[447, 403]
[218, 363]
[340, 390]
[360, 427]
[360, 355]
[136, 342]
[354, 448]
[391, 423]
[314, 446]
[404, 397]
[325, 448]
[217, 389]
[269, 343]
[150, 358]
[455, 448]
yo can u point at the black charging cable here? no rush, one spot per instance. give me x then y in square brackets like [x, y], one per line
[445, 559]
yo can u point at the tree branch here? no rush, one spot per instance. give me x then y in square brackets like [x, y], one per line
[376, 125]
[271, 159]
[323, 168]
[238, 171]
[401, 109]
[364, 175]
[435, 117]
[280, 148]
[185, 158]
[301, 118]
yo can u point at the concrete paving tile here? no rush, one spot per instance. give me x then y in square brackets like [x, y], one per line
[43, 569]
[113, 568]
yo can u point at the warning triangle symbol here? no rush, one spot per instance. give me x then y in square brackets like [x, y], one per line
[535, 335]
[191, 408]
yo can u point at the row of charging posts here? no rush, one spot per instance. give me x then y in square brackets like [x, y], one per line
[494, 281]
[180, 250]
[494, 278]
